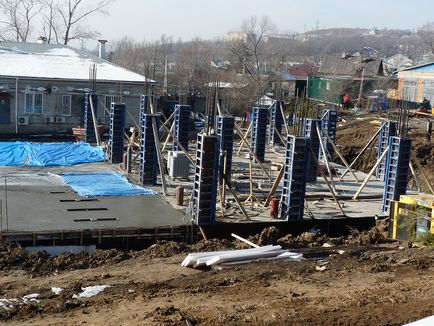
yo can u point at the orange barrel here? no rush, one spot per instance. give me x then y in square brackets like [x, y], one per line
[274, 208]
[180, 196]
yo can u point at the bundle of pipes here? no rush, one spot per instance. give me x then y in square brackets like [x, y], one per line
[219, 259]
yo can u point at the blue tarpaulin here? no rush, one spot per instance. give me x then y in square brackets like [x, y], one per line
[104, 184]
[48, 154]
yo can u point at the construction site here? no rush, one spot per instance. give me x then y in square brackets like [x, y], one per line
[350, 213]
[265, 174]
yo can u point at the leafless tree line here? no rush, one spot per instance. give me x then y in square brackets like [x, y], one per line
[247, 64]
[59, 21]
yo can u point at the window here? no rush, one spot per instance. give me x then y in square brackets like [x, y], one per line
[108, 103]
[66, 105]
[33, 103]
[428, 90]
[410, 89]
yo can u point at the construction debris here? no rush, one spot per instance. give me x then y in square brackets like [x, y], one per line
[236, 257]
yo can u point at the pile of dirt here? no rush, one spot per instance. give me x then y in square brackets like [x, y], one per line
[170, 315]
[268, 236]
[415, 257]
[211, 245]
[14, 257]
[425, 153]
[308, 240]
[163, 249]
[376, 235]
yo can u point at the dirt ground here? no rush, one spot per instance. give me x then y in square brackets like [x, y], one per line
[355, 131]
[360, 279]
[367, 280]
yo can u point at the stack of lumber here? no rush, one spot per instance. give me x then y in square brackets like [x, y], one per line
[236, 257]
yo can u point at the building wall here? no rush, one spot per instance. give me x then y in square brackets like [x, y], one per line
[325, 89]
[331, 90]
[424, 81]
[52, 119]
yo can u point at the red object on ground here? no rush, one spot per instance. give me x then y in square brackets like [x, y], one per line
[421, 111]
[274, 208]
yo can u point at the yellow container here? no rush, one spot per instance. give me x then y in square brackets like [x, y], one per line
[413, 217]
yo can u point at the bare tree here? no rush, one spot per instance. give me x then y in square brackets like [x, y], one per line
[73, 13]
[249, 53]
[146, 58]
[19, 15]
[193, 68]
[256, 31]
[50, 25]
[426, 34]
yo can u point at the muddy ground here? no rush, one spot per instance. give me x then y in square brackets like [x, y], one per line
[354, 132]
[362, 279]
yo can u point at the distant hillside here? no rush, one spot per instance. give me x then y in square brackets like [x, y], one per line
[336, 40]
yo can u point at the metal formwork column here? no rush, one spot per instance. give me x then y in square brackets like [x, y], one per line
[397, 166]
[276, 123]
[205, 179]
[388, 129]
[328, 125]
[225, 134]
[148, 152]
[143, 106]
[311, 133]
[117, 126]
[89, 127]
[259, 132]
[294, 178]
[182, 126]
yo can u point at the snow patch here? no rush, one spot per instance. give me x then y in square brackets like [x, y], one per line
[90, 291]
[8, 304]
[56, 291]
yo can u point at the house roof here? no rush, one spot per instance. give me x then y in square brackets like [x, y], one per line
[53, 61]
[399, 56]
[351, 66]
[302, 70]
[285, 75]
[423, 67]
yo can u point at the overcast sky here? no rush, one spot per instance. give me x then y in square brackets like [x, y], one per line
[148, 19]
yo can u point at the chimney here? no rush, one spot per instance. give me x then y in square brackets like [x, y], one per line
[102, 48]
[41, 40]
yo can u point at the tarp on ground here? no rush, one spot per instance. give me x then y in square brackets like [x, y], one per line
[104, 184]
[48, 154]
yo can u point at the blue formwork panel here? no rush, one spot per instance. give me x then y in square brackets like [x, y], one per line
[259, 132]
[89, 127]
[276, 123]
[224, 127]
[144, 99]
[388, 129]
[397, 168]
[148, 153]
[311, 133]
[328, 126]
[294, 179]
[182, 126]
[117, 126]
[205, 179]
